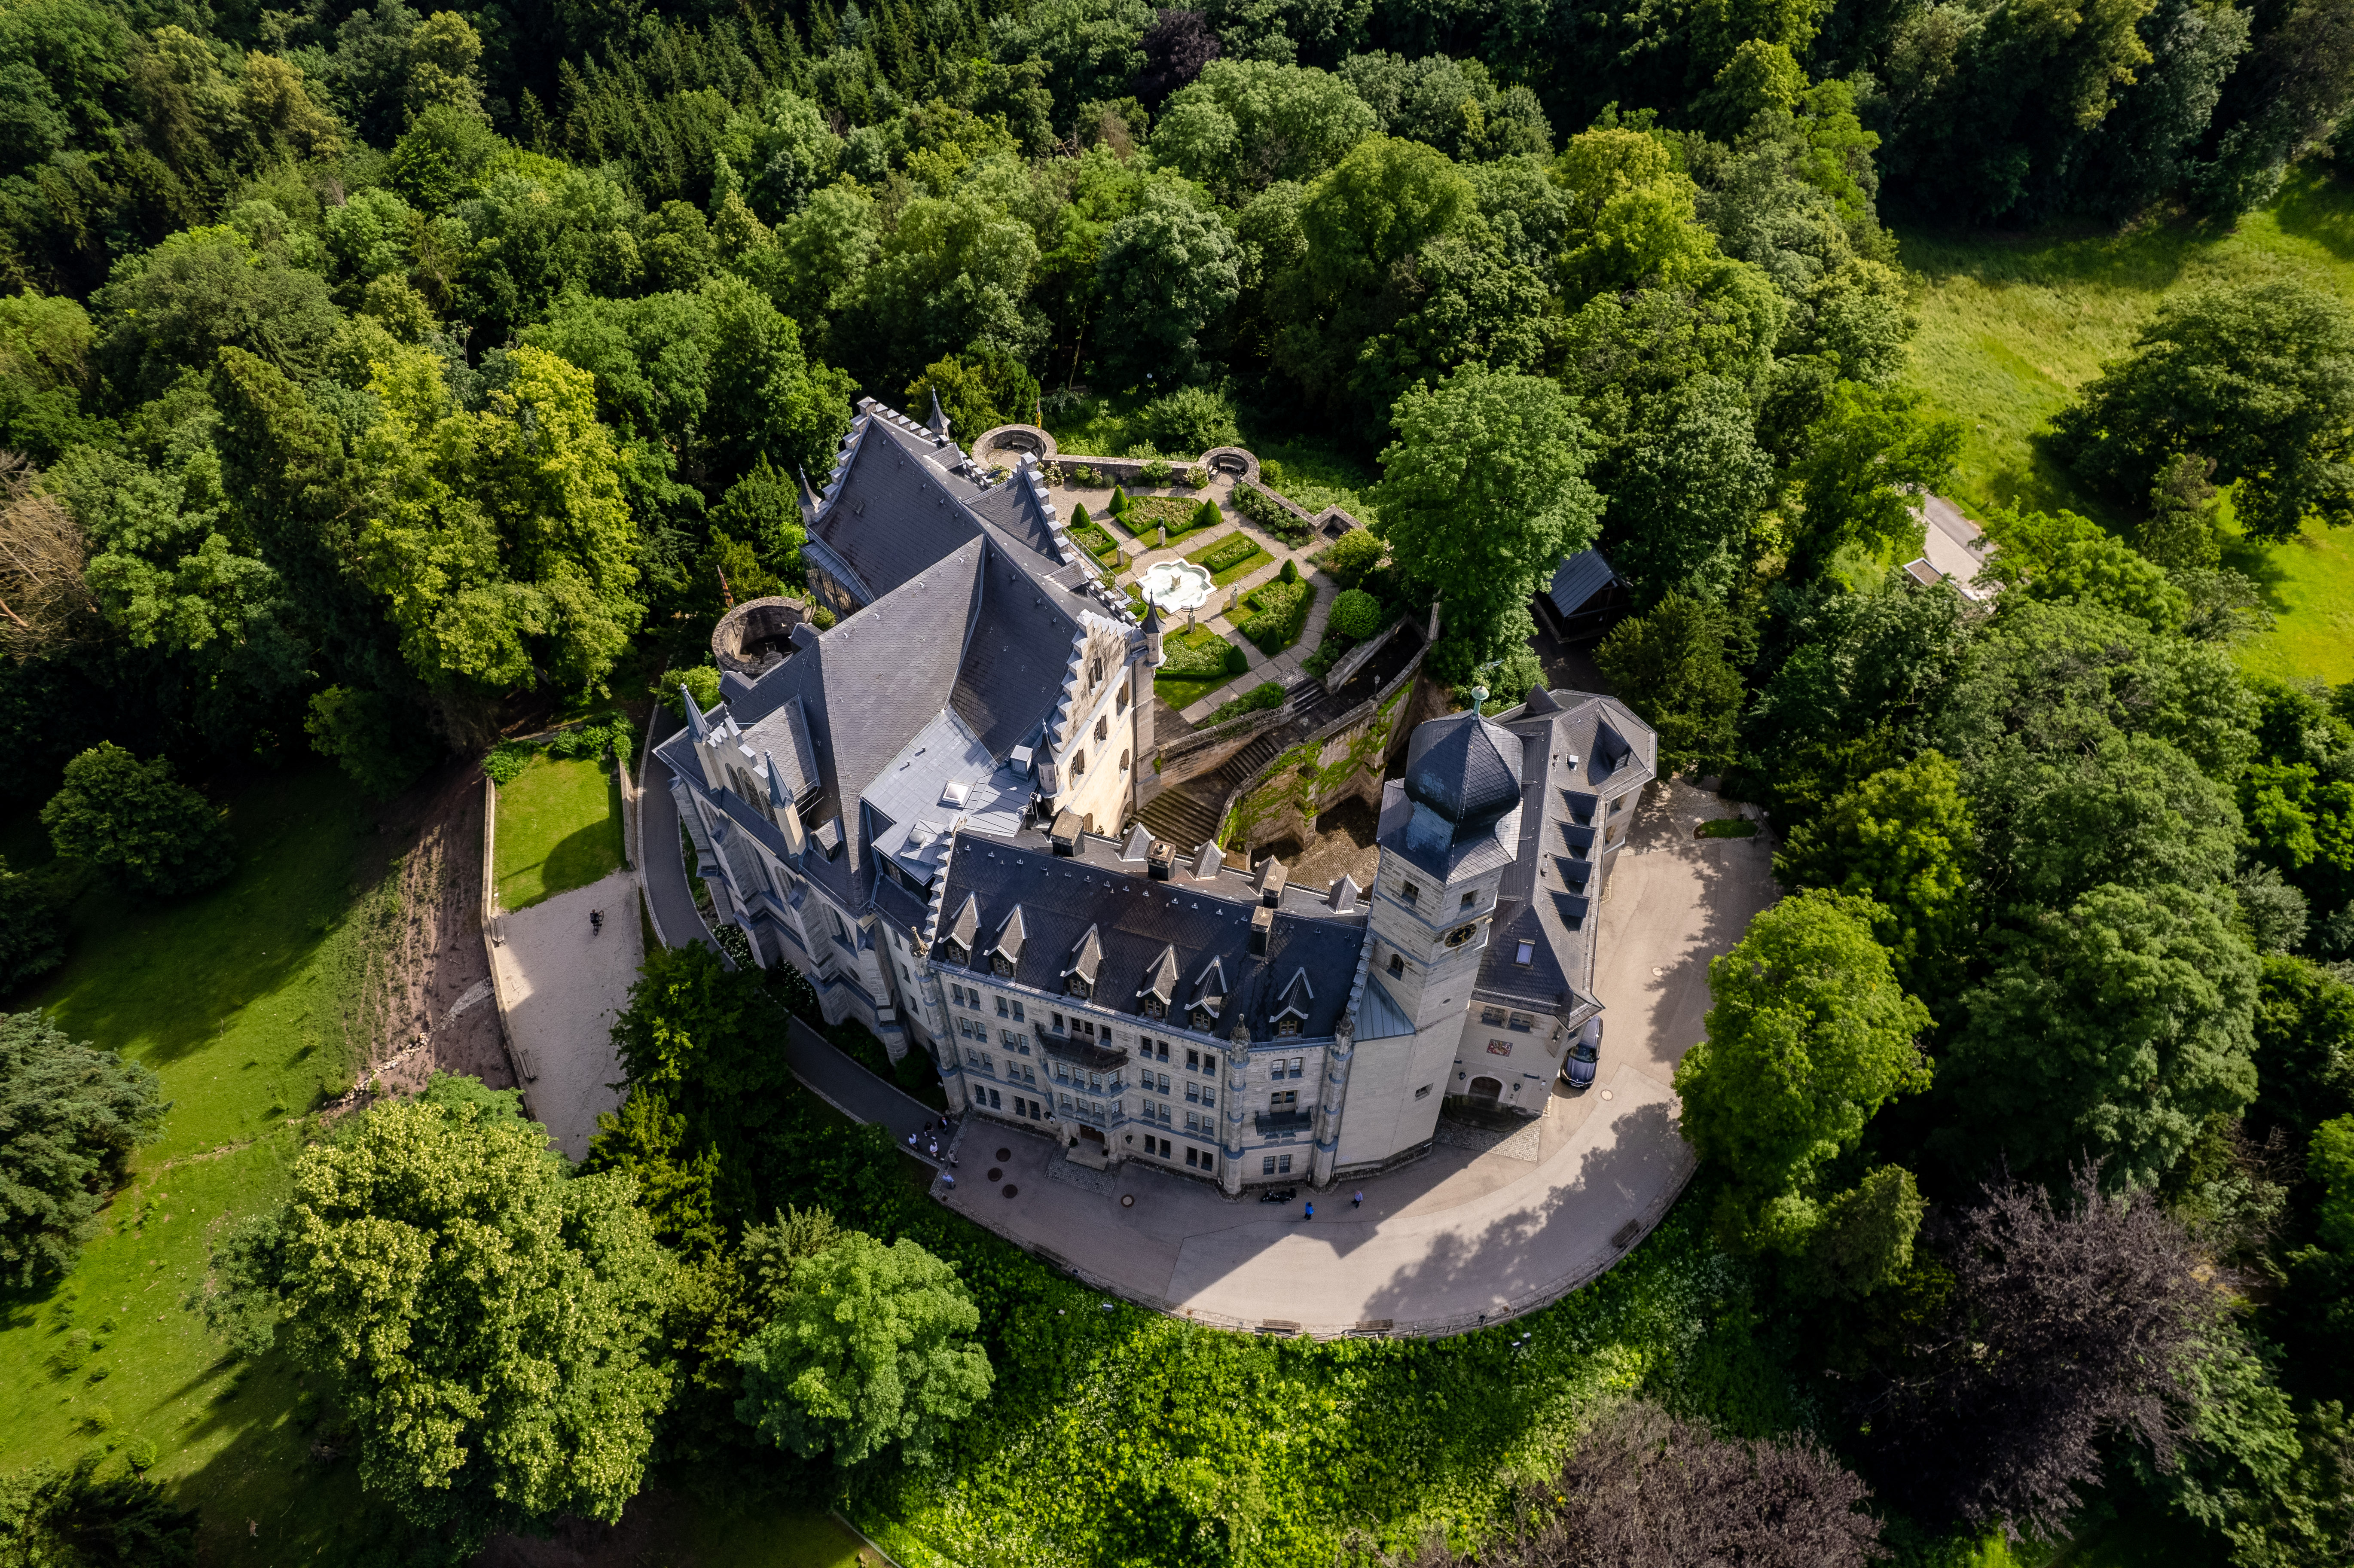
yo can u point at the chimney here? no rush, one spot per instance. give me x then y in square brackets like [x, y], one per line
[1161, 859]
[1262, 922]
[1065, 831]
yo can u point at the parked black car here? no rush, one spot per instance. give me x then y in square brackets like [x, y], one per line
[1585, 1054]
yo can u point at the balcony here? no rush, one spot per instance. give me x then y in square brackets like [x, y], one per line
[1272, 1122]
[1080, 1051]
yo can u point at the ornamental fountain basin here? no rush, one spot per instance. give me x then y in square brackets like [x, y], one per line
[1176, 586]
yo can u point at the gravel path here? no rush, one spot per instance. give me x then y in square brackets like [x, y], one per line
[564, 982]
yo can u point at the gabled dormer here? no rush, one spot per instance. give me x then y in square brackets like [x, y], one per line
[1292, 1003]
[1079, 974]
[1159, 987]
[1006, 953]
[1209, 998]
[955, 942]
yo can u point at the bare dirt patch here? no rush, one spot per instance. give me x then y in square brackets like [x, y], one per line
[427, 989]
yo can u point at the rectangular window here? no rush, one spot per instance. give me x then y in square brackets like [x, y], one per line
[1267, 1166]
[1294, 1066]
[1193, 1093]
[956, 994]
[1066, 1102]
[1193, 1122]
[1423, 1093]
[1001, 1010]
[1192, 1156]
[986, 1063]
[1058, 1024]
[1525, 953]
[1283, 1164]
[1409, 892]
[1491, 1016]
[1167, 1115]
[1523, 1023]
[1017, 1013]
[1283, 1100]
[994, 1103]
[971, 1058]
[1209, 1098]
[1012, 1041]
[1209, 1061]
[1164, 1083]
[1619, 805]
[1469, 899]
[1397, 966]
[1193, 1060]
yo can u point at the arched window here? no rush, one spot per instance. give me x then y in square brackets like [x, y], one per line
[1095, 672]
[1103, 729]
[1119, 699]
[1078, 763]
[1123, 762]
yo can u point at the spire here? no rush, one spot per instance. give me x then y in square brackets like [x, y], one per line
[809, 498]
[694, 719]
[939, 419]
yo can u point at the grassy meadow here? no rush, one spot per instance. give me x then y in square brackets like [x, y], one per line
[2011, 325]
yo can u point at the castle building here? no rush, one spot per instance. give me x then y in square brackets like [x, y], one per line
[928, 812]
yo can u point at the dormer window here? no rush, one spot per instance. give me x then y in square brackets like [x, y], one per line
[1078, 986]
[1525, 953]
[1002, 966]
[1200, 1022]
[1153, 1007]
[1287, 1024]
[954, 953]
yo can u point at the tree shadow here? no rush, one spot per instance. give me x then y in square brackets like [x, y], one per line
[582, 856]
[2313, 206]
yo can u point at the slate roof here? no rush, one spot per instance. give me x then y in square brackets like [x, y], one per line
[1127, 924]
[1578, 578]
[1464, 768]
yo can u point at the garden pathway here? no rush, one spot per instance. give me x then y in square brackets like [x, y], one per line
[1286, 668]
[1461, 1236]
[562, 982]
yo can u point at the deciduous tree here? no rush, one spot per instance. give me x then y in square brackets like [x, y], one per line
[1674, 667]
[133, 819]
[872, 1351]
[1903, 839]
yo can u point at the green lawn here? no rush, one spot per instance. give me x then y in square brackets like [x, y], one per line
[559, 828]
[245, 1001]
[2011, 326]
[1177, 690]
[1317, 474]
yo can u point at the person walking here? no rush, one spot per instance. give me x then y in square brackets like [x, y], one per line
[1311, 1210]
[1359, 1201]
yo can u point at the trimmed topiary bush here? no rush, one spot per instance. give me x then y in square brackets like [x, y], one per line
[1290, 572]
[1206, 515]
[1352, 556]
[1356, 615]
[1237, 662]
[1118, 501]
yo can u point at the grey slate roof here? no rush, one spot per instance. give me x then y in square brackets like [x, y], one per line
[1464, 768]
[1578, 578]
[1134, 921]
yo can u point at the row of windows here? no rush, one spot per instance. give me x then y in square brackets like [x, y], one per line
[1520, 1022]
[1196, 1159]
[1023, 1107]
[1019, 1072]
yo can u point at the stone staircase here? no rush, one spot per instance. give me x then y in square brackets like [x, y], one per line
[1186, 814]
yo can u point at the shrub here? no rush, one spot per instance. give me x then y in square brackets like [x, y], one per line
[504, 762]
[1352, 557]
[377, 739]
[32, 935]
[1206, 515]
[1190, 420]
[1290, 572]
[1270, 514]
[703, 680]
[1231, 551]
[1118, 501]
[1237, 662]
[1082, 477]
[822, 618]
[130, 818]
[1258, 699]
[1156, 471]
[1194, 478]
[1356, 615]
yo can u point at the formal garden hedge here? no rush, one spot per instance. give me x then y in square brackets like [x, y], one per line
[1276, 611]
[1270, 514]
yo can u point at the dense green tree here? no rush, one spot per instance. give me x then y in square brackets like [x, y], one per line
[133, 819]
[1244, 125]
[1191, 420]
[2257, 379]
[166, 310]
[978, 392]
[1904, 840]
[1168, 270]
[1675, 666]
[488, 1323]
[2305, 1043]
[375, 737]
[1453, 105]
[873, 1351]
[950, 276]
[1683, 489]
[1863, 1240]
[1869, 457]
[2109, 1031]
[1481, 496]
[1809, 1034]
[76, 1518]
[2179, 530]
[2129, 809]
[70, 1114]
